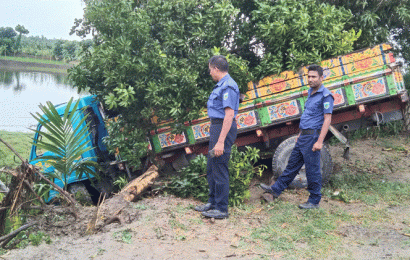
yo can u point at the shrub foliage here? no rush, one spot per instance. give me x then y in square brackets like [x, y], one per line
[192, 182]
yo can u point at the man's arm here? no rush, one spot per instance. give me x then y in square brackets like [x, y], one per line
[226, 126]
[325, 127]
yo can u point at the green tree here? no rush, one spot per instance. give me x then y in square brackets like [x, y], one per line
[69, 50]
[83, 47]
[286, 34]
[7, 32]
[7, 35]
[21, 30]
[58, 50]
[379, 21]
[150, 57]
[38, 46]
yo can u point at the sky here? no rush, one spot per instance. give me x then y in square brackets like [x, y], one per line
[52, 19]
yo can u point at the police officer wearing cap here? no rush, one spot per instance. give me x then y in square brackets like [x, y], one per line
[223, 104]
[314, 124]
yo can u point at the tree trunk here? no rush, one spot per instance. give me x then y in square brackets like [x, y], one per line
[140, 184]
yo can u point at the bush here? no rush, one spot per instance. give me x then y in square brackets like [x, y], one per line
[37, 238]
[192, 182]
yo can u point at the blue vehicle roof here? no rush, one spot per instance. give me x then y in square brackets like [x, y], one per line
[84, 101]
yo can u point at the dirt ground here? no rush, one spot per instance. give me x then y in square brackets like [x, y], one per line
[166, 227]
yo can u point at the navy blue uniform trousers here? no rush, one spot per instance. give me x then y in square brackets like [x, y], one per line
[303, 154]
[217, 167]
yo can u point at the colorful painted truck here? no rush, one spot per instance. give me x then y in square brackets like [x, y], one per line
[367, 86]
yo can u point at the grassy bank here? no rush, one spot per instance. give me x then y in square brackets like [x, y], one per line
[31, 60]
[31, 64]
[20, 142]
[45, 69]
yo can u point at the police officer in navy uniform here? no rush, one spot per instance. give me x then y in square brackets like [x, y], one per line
[314, 124]
[223, 104]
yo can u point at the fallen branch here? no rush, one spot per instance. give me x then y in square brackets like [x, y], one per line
[65, 194]
[16, 196]
[34, 192]
[7, 238]
[26, 183]
[251, 252]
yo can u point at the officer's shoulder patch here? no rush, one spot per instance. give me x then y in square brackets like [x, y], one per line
[326, 105]
[225, 95]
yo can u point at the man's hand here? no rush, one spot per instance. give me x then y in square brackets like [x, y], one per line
[317, 146]
[226, 125]
[325, 127]
[219, 149]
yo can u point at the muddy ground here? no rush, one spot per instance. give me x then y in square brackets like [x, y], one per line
[165, 227]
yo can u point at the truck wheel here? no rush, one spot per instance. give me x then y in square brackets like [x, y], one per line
[80, 193]
[281, 157]
[105, 186]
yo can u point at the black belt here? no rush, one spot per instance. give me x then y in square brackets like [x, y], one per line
[216, 121]
[309, 131]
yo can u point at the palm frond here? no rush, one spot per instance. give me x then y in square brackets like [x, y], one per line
[67, 139]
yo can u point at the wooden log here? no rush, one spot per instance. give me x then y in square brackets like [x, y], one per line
[140, 184]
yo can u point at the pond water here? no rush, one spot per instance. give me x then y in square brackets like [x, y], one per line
[21, 93]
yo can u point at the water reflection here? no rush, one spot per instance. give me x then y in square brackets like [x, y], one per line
[12, 79]
[21, 93]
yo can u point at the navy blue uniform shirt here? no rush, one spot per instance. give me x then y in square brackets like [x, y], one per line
[225, 94]
[316, 106]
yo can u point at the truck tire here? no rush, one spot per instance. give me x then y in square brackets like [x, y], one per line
[280, 160]
[105, 186]
[80, 193]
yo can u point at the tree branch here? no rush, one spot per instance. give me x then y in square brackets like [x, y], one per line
[10, 236]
